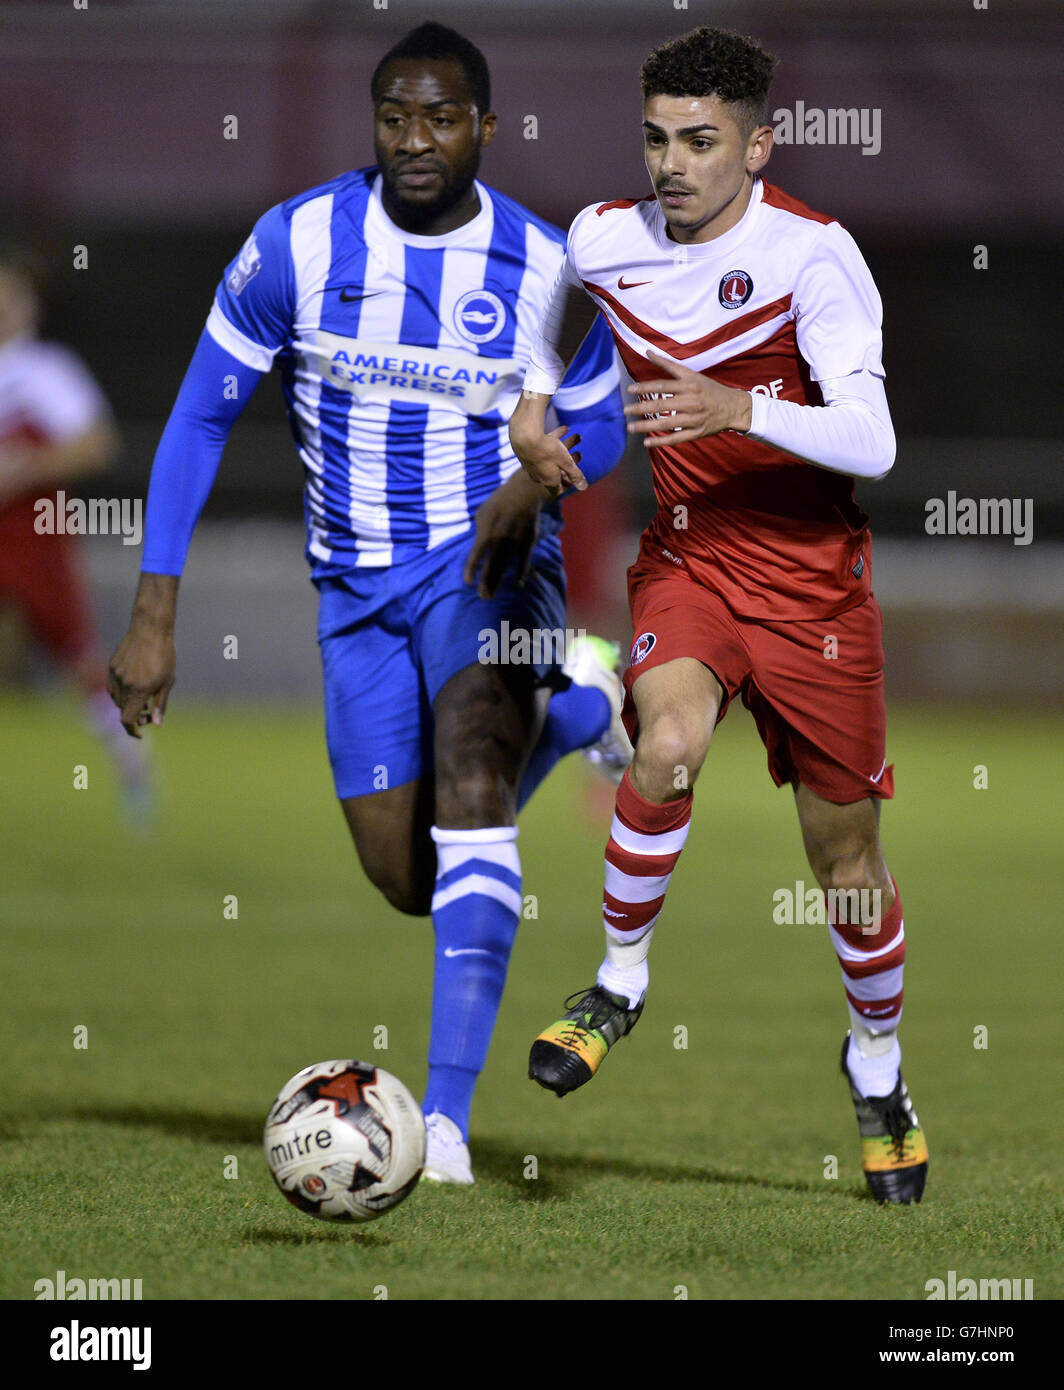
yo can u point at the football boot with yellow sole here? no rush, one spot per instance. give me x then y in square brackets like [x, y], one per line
[893, 1148]
[570, 1052]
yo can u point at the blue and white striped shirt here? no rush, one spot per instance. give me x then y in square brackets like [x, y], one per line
[402, 358]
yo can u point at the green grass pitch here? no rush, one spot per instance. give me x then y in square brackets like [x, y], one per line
[698, 1168]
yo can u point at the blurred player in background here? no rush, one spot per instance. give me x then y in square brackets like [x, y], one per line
[400, 303]
[56, 429]
[752, 329]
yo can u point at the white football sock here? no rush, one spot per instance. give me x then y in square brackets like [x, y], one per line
[105, 720]
[874, 1058]
[625, 970]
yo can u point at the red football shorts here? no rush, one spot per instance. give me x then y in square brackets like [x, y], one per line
[815, 688]
[44, 578]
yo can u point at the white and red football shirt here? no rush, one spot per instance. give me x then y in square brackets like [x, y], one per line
[47, 394]
[777, 304]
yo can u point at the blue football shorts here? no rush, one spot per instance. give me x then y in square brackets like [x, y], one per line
[391, 638]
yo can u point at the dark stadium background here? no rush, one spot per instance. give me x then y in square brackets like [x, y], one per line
[699, 1169]
[111, 137]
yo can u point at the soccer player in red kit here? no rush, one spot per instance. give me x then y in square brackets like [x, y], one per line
[752, 329]
[56, 429]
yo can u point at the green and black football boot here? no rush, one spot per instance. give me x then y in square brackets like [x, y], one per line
[570, 1051]
[893, 1148]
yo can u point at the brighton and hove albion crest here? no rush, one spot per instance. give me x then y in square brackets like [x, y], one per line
[736, 287]
[479, 316]
[641, 648]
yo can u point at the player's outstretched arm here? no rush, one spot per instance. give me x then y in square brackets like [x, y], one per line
[544, 454]
[588, 408]
[589, 402]
[215, 390]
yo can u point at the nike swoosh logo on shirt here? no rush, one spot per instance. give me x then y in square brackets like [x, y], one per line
[350, 298]
[465, 951]
[632, 284]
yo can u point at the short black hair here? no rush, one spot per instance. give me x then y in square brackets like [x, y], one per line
[436, 41]
[713, 62]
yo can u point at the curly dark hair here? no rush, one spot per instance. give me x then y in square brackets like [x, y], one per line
[713, 62]
[436, 41]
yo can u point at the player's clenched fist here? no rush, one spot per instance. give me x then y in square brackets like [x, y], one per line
[140, 677]
[144, 666]
[684, 405]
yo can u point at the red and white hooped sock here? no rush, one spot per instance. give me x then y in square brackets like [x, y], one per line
[872, 975]
[645, 843]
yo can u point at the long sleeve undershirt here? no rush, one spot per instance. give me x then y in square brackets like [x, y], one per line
[215, 390]
[850, 433]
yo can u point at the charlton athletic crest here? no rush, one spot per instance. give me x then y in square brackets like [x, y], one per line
[735, 289]
[641, 648]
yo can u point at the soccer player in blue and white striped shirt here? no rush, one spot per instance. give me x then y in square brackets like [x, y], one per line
[400, 303]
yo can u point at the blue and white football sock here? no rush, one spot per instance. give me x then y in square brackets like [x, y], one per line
[475, 910]
[575, 717]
